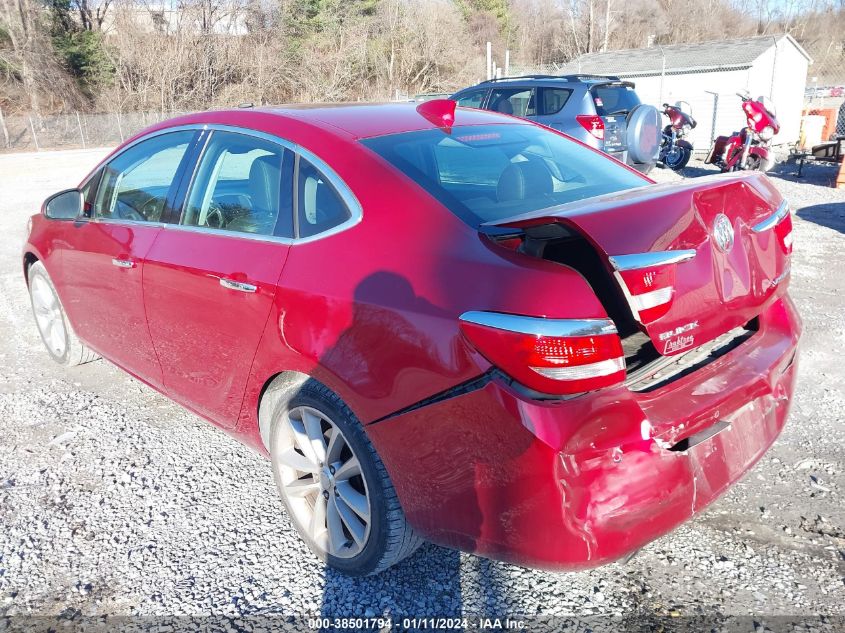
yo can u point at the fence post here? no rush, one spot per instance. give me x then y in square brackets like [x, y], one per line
[774, 69]
[81, 135]
[5, 129]
[662, 72]
[715, 116]
[34, 137]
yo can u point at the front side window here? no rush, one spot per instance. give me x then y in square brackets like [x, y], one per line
[242, 184]
[134, 186]
[515, 101]
[319, 206]
[492, 172]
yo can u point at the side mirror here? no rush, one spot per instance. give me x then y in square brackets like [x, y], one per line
[65, 205]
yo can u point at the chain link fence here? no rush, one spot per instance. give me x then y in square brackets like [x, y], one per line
[31, 132]
[825, 94]
[704, 78]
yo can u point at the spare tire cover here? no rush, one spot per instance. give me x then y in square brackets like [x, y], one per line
[643, 134]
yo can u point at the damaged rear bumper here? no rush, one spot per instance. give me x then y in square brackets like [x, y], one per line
[577, 483]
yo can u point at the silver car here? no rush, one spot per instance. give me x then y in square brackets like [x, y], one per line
[601, 111]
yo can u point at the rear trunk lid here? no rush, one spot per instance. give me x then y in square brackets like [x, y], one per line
[726, 240]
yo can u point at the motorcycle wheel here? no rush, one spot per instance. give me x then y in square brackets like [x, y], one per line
[677, 158]
[754, 163]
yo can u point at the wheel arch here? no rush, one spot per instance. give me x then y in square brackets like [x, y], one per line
[29, 258]
[285, 385]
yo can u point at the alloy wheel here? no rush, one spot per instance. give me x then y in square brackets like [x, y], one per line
[48, 316]
[320, 477]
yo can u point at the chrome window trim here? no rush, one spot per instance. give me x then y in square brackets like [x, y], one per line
[539, 326]
[254, 237]
[647, 260]
[774, 219]
[356, 212]
[101, 220]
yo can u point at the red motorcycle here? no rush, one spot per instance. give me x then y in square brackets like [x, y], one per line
[674, 151]
[748, 148]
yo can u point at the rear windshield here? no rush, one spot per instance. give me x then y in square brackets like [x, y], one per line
[614, 99]
[492, 172]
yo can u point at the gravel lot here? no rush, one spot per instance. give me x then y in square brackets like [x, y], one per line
[113, 500]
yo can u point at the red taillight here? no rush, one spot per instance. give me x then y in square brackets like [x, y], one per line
[648, 280]
[554, 356]
[650, 291]
[781, 222]
[593, 124]
[784, 232]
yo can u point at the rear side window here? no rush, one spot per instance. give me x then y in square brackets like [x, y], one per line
[612, 99]
[243, 184]
[553, 99]
[319, 206]
[492, 172]
[472, 99]
[515, 101]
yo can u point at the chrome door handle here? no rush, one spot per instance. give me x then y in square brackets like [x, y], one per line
[123, 263]
[237, 285]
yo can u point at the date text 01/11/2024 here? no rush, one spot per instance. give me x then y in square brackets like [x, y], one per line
[416, 623]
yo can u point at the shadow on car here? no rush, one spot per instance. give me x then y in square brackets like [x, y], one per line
[831, 215]
[429, 582]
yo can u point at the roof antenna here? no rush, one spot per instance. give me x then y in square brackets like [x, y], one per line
[246, 104]
[441, 112]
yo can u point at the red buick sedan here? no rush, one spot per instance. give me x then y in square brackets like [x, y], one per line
[438, 324]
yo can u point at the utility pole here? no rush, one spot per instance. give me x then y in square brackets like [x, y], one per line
[606, 25]
[489, 61]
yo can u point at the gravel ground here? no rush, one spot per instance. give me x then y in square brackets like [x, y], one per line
[113, 500]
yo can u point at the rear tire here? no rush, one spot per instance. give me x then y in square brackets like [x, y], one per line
[53, 325]
[333, 484]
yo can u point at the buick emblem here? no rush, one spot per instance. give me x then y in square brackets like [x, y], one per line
[723, 233]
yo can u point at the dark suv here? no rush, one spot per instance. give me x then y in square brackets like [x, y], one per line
[601, 111]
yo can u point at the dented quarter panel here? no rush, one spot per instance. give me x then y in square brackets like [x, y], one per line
[578, 483]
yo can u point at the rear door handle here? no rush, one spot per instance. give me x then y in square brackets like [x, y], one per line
[237, 285]
[123, 263]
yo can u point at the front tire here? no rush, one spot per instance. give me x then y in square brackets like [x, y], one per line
[333, 484]
[677, 158]
[761, 164]
[53, 325]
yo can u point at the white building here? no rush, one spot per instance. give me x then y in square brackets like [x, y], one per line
[708, 76]
[226, 17]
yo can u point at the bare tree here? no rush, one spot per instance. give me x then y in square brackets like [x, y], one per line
[92, 13]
